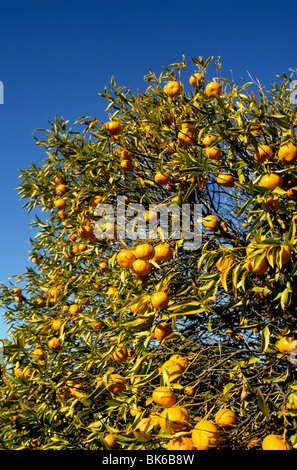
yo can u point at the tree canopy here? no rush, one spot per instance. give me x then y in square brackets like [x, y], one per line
[98, 325]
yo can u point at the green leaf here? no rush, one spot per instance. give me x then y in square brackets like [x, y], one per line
[265, 338]
[262, 404]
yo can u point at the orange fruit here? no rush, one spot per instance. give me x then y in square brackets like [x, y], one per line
[181, 443]
[38, 354]
[110, 440]
[164, 396]
[172, 89]
[186, 136]
[57, 324]
[116, 383]
[224, 263]
[226, 418]
[126, 165]
[161, 178]
[54, 344]
[97, 325]
[196, 79]
[205, 435]
[141, 267]
[292, 192]
[119, 355]
[275, 442]
[189, 391]
[286, 253]
[271, 181]
[274, 203]
[126, 258]
[284, 345]
[114, 128]
[259, 268]
[160, 300]
[287, 153]
[74, 309]
[144, 251]
[225, 180]
[213, 153]
[174, 419]
[263, 153]
[96, 200]
[163, 253]
[162, 330]
[58, 180]
[60, 204]
[213, 89]
[138, 310]
[103, 266]
[208, 140]
[61, 188]
[211, 223]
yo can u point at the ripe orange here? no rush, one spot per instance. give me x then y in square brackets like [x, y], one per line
[164, 396]
[226, 418]
[271, 181]
[287, 153]
[114, 128]
[38, 354]
[57, 324]
[97, 325]
[174, 419]
[163, 253]
[213, 153]
[224, 263]
[161, 178]
[160, 300]
[225, 180]
[162, 330]
[103, 266]
[273, 202]
[181, 443]
[263, 153]
[60, 204]
[189, 391]
[259, 268]
[119, 355]
[144, 251]
[175, 366]
[292, 192]
[116, 383]
[58, 180]
[208, 140]
[275, 442]
[286, 253]
[284, 345]
[141, 267]
[74, 309]
[196, 79]
[54, 344]
[126, 165]
[211, 223]
[205, 435]
[186, 136]
[110, 440]
[138, 310]
[126, 258]
[213, 89]
[172, 88]
[61, 188]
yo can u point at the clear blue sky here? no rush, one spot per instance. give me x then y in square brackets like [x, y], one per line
[57, 55]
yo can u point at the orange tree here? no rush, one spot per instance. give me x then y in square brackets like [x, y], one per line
[142, 343]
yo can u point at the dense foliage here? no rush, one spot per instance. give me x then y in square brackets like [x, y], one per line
[77, 317]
